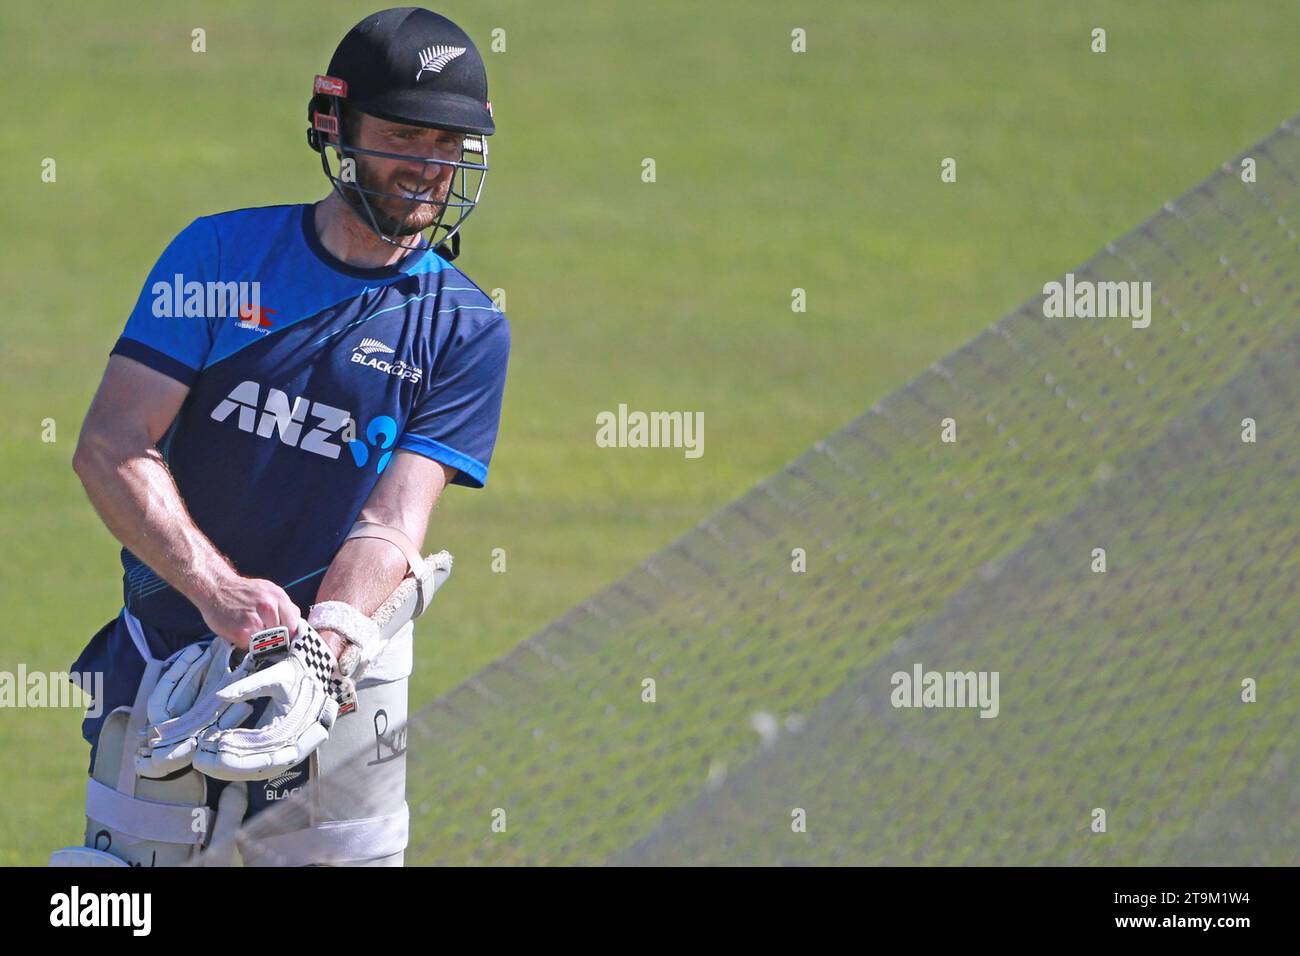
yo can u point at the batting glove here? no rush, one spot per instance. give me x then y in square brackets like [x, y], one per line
[184, 705]
[306, 694]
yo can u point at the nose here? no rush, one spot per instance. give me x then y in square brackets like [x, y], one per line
[426, 174]
[415, 170]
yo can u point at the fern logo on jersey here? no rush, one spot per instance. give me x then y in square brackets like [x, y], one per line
[369, 352]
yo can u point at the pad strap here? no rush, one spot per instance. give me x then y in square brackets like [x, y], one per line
[145, 819]
[333, 842]
[153, 669]
[394, 536]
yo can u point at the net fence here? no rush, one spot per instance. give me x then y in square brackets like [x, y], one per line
[1102, 515]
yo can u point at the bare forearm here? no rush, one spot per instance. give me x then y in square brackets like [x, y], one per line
[138, 501]
[364, 573]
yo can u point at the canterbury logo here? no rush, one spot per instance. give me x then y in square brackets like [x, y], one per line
[371, 346]
[434, 58]
[253, 316]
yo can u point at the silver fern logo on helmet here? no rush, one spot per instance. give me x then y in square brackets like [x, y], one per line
[434, 58]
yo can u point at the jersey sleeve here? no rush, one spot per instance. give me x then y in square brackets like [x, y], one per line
[167, 329]
[456, 420]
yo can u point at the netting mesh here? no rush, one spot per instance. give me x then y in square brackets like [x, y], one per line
[1119, 690]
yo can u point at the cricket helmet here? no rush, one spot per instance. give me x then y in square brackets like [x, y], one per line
[412, 66]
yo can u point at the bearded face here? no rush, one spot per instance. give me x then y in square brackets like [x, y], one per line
[405, 197]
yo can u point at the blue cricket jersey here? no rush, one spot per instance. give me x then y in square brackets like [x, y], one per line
[297, 404]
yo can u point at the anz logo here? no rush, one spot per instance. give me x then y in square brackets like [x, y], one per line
[306, 425]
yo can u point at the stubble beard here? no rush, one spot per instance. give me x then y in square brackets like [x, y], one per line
[414, 215]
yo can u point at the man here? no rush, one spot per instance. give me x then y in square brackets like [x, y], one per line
[233, 455]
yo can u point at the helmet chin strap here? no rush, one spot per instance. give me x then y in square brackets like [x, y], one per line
[449, 252]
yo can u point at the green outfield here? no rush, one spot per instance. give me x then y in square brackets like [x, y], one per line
[775, 170]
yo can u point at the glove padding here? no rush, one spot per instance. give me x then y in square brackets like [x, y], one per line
[306, 696]
[184, 705]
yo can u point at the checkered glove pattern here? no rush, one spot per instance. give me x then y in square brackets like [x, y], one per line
[321, 662]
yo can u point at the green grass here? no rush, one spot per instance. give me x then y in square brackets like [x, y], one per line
[775, 170]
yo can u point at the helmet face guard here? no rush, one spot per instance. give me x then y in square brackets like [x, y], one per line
[327, 133]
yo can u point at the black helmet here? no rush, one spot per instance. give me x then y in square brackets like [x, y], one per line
[412, 66]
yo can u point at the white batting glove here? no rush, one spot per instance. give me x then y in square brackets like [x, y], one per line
[184, 704]
[306, 695]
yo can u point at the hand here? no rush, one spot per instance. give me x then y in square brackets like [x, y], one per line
[305, 698]
[183, 706]
[236, 608]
